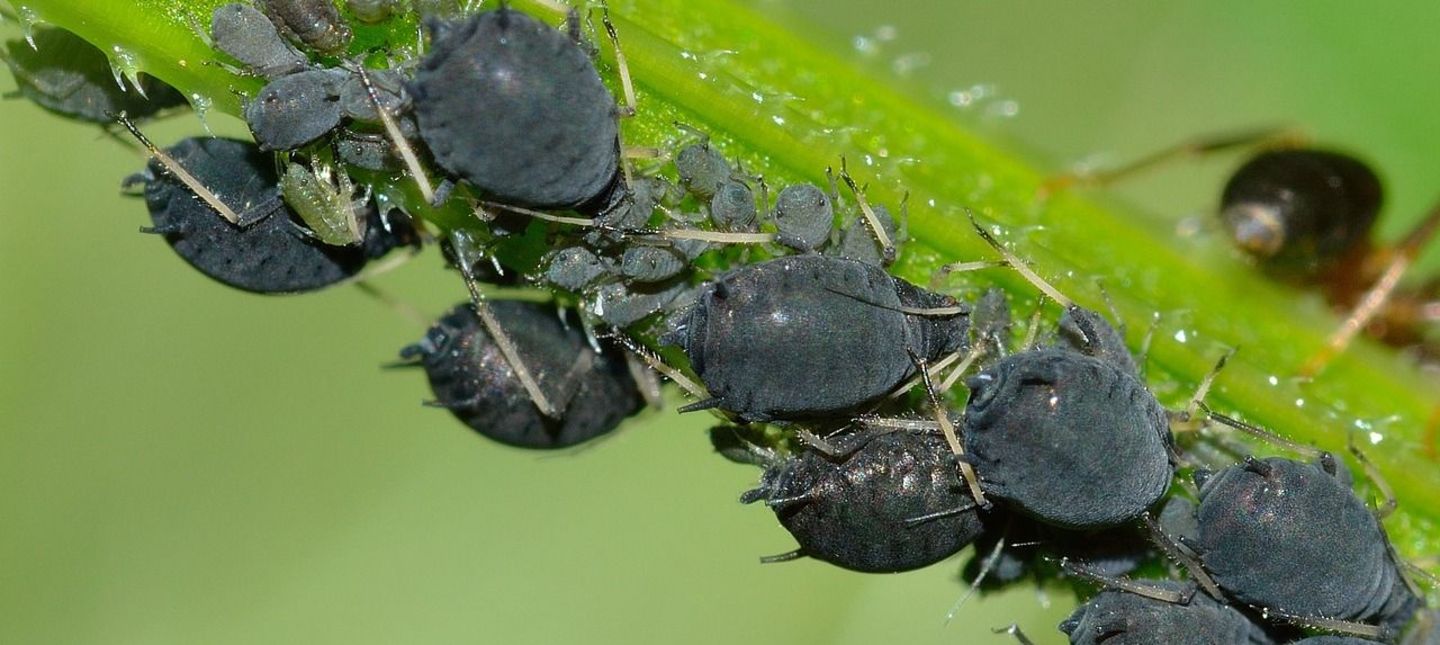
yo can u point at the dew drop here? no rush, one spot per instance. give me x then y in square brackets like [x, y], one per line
[202, 104]
[1299, 403]
[1376, 438]
[1180, 336]
[28, 19]
[1273, 380]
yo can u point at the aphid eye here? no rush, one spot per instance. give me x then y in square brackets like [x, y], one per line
[982, 391]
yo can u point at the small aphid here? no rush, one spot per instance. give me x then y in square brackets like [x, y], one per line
[857, 242]
[324, 198]
[620, 305]
[886, 502]
[295, 109]
[804, 216]
[576, 267]
[67, 75]
[373, 11]
[248, 36]
[732, 208]
[471, 377]
[810, 336]
[264, 251]
[549, 137]
[312, 23]
[645, 263]
[1116, 617]
[703, 170]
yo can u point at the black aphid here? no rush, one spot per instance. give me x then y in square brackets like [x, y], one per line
[888, 501]
[248, 36]
[1069, 434]
[67, 75]
[1115, 617]
[810, 336]
[592, 392]
[1291, 538]
[295, 109]
[703, 170]
[372, 11]
[517, 108]
[266, 250]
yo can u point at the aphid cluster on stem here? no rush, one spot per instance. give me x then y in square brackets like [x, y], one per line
[782, 315]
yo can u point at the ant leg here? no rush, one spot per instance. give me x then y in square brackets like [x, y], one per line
[1399, 259]
[1198, 147]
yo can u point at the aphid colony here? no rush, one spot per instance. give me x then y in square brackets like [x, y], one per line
[781, 317]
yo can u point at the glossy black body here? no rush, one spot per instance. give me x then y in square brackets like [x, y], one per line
[471, 377]
[853, 510]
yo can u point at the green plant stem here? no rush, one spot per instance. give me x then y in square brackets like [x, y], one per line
[789, 110]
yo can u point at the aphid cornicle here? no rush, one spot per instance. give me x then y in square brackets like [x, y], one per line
[810, 336]
[67, 75]
[548, 137]
[890, 501]
[1290, 537]
[471, 377]
[265, 252]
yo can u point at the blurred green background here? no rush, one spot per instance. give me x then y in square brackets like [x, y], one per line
[183, 463]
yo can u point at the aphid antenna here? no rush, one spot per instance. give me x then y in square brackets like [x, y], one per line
[646, 354]
[911, 522]
[1142, 359]
[1019, 265]
[887, 246]
[1402, 257]
[960, 369]
[1387, 494]
[697, 132]
[1421, 573]
[1014, 630]
[1267, 137]
[956, 310]
[179, 172]
[502, 340]
[1260, 433]
[986, 566]
[720, 237]
[1180, 554]
[1123, 584]
[1203, 390]
[541, 215]
[622, 68]
[1362, 630]
[938, 278]
[1032, 335]
[897, 424]
[935, 369]
[818, 442]
[645, 378]
[392, 131]
[947, 428]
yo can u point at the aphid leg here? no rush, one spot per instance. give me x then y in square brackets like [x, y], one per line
[935, 369]
[622, 69]
[948, 429]
[1400, 258]
[392, 131]
[179, 172]
[930, 517]
[986, 566]
[887, 246]
[719, 237]
[819, 443]
[502, 340]
[1032, 334]
[1124, 584]
[1014, 630]
[1266, 137]
[1362, 630]
[1186, 416]
[541, 215]
[1142, 358]
[1260, 433]
[1019, 265]
[960, 369]
[172, 229]
[1386, 507]
[1180, 554]
[783, 557]
[646, 380]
